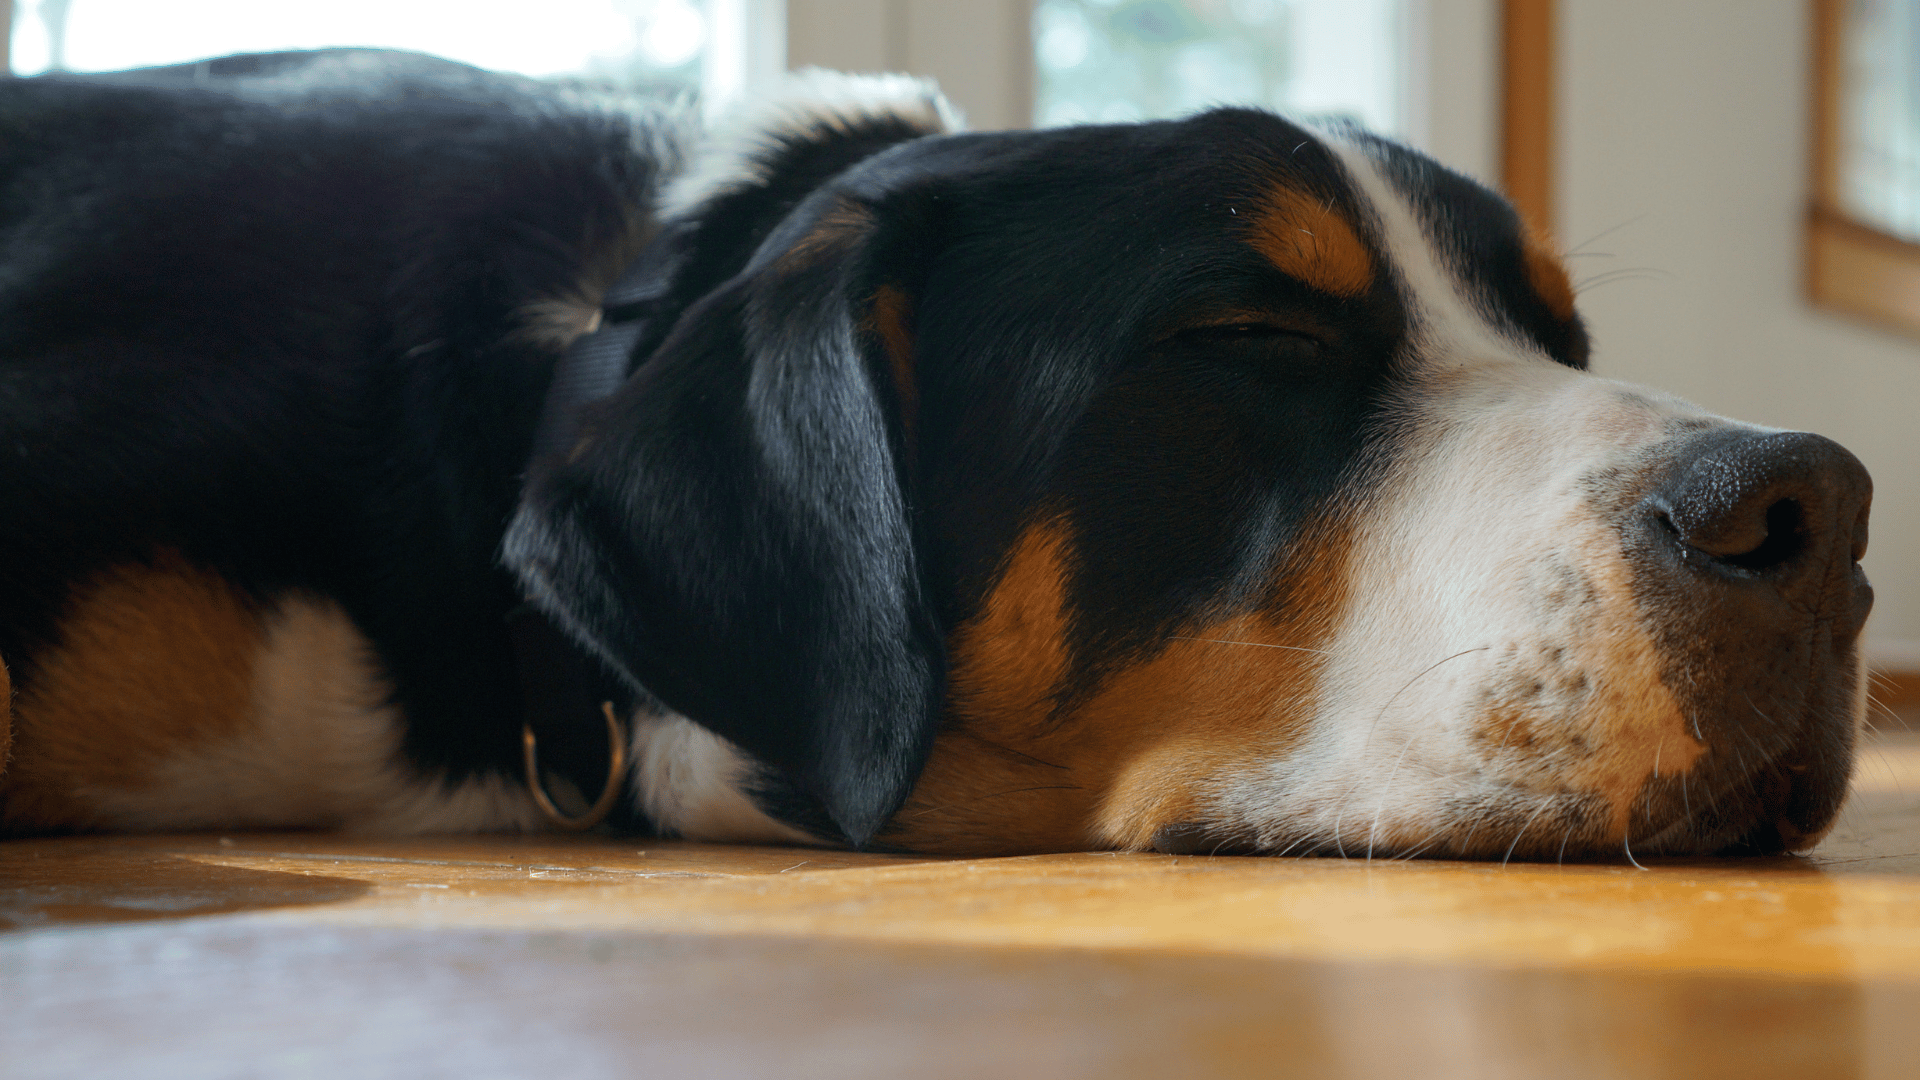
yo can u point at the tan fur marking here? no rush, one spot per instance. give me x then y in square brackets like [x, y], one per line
[6, 717]
[1548, 276]
[836, 229]
[1194, 715]
[151, 661]
[1635, 720]
[1626, 726]
[1008, 775]
[1308, 239]
[892, 316]
[1222, 698]
[977, 792]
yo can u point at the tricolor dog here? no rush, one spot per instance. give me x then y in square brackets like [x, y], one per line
[393, 447]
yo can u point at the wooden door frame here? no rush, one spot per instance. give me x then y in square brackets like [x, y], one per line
[1529, 101]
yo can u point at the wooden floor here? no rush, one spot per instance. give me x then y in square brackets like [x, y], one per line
[313, 955]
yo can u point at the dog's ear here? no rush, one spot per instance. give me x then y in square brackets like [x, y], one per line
[731, 530]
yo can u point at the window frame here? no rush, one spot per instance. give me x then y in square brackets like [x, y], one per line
[1529, 116]
[1850, 266]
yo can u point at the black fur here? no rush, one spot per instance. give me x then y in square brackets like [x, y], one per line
[269, 314]
[271, 323]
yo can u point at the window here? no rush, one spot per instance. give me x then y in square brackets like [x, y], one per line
[1117, 60]
[642, 43]
[1879, 116]
[1863, 224]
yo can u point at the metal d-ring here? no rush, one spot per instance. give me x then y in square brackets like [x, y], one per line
[616, 768]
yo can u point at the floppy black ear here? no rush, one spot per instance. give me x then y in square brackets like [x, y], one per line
[730, 532]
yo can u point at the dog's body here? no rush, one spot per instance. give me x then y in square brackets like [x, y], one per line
[1199, 485]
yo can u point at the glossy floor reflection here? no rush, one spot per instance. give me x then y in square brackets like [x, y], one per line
[318, 955]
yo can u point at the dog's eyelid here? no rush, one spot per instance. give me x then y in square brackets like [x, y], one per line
[1241, 326]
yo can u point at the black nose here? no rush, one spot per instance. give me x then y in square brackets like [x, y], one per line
[1784, 506]
[1748, 555]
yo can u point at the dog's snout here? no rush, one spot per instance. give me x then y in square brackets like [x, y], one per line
[1772, 504]
[1747, 554]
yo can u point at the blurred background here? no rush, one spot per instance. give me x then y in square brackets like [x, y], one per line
[1736, 182]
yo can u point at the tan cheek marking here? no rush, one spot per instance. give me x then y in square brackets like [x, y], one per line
[1224, 698]
[1548, 276]
[1310, 241]
[980, 790]
[1634, 717]
[1009, 776]
[891, 317]
[151, 661]
[1193, 717]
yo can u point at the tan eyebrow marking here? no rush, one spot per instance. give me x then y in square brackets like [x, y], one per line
[1307, 239]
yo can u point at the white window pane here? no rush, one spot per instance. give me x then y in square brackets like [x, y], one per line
[640, 42]
[1880, 162]
[1112, 60]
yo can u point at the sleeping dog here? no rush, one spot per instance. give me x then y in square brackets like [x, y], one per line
[390, 446]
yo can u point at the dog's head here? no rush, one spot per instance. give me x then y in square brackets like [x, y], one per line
[1203, 485]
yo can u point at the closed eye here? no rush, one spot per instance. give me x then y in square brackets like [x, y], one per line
[1256, 341]
[1240, 331]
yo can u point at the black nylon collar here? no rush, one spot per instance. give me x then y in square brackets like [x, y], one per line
[562, 686]
[598, 361]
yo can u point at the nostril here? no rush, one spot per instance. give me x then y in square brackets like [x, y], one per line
[1763, 504]
[1781, 536]
[1752, 534]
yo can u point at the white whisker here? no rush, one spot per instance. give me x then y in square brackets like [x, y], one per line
[1627, 842]
[1386, 787]
[1604, 233]
[1546, 802]
[1255, 644]
[1634, 273]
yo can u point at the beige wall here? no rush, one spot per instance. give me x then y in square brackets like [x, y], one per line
[1452, 82]
[1682, 156]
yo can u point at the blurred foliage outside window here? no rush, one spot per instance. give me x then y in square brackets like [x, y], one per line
[1880, 138]
[1095, 60]
[1107, 61]
[643, 44]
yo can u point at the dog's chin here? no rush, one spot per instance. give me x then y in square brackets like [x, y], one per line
[1740, 800]
[1786, 805]
[1780, 809]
